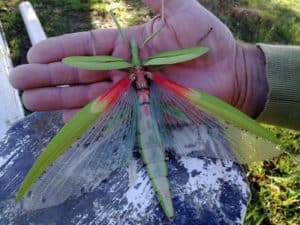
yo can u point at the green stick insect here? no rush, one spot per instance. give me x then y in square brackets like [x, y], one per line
[143, 107]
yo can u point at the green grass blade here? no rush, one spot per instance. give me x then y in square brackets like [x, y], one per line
[100, 62]
[175, 56]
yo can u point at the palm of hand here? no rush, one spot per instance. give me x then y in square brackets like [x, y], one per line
[190, 25]
[187, 25]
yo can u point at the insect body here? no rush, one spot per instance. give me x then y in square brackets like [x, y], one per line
[100, 138]
[151, 145]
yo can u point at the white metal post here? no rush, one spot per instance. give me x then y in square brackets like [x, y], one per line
[11, 109]
[32, 23]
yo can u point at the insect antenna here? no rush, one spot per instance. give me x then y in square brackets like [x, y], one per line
[162, 19]
[120, 29]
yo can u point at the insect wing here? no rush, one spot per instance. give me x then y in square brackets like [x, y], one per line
[204, 133]
[80, 123]
[105, 147]
[100, 62]
[175, 56]
[186, 130]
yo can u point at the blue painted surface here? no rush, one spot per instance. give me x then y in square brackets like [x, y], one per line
[205, 191]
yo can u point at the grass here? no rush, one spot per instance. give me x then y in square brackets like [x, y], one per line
[57, 17]
[275, 184]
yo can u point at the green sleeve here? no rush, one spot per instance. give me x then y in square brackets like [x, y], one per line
[283, 74]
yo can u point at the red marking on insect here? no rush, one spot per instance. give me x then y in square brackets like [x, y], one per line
[178, 89]
[110, 97]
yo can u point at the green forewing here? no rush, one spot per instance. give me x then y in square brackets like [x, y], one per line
[249, 141]
[175, 56]
[58, 145]
[100, 62]
[226, 112]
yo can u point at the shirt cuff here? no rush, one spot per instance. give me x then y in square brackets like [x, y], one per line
[283, 74]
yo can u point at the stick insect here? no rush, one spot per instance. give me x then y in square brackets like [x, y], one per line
[142, 107]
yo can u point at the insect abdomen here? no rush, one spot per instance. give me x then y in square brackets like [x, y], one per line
[154, 157]
[156, 166]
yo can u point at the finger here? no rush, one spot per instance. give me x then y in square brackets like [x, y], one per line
[68, 114]
[99, 41]
[43, 99]
[29, 76]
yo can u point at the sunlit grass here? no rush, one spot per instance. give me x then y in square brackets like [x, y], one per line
[125, 11]
[276, 184]
[283, 17]
[292, 5]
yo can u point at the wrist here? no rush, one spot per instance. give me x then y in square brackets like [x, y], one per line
[254, 88]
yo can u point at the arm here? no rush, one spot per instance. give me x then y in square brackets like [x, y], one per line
[283, 74]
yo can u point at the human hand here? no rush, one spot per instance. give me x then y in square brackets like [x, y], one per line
[231, 71]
